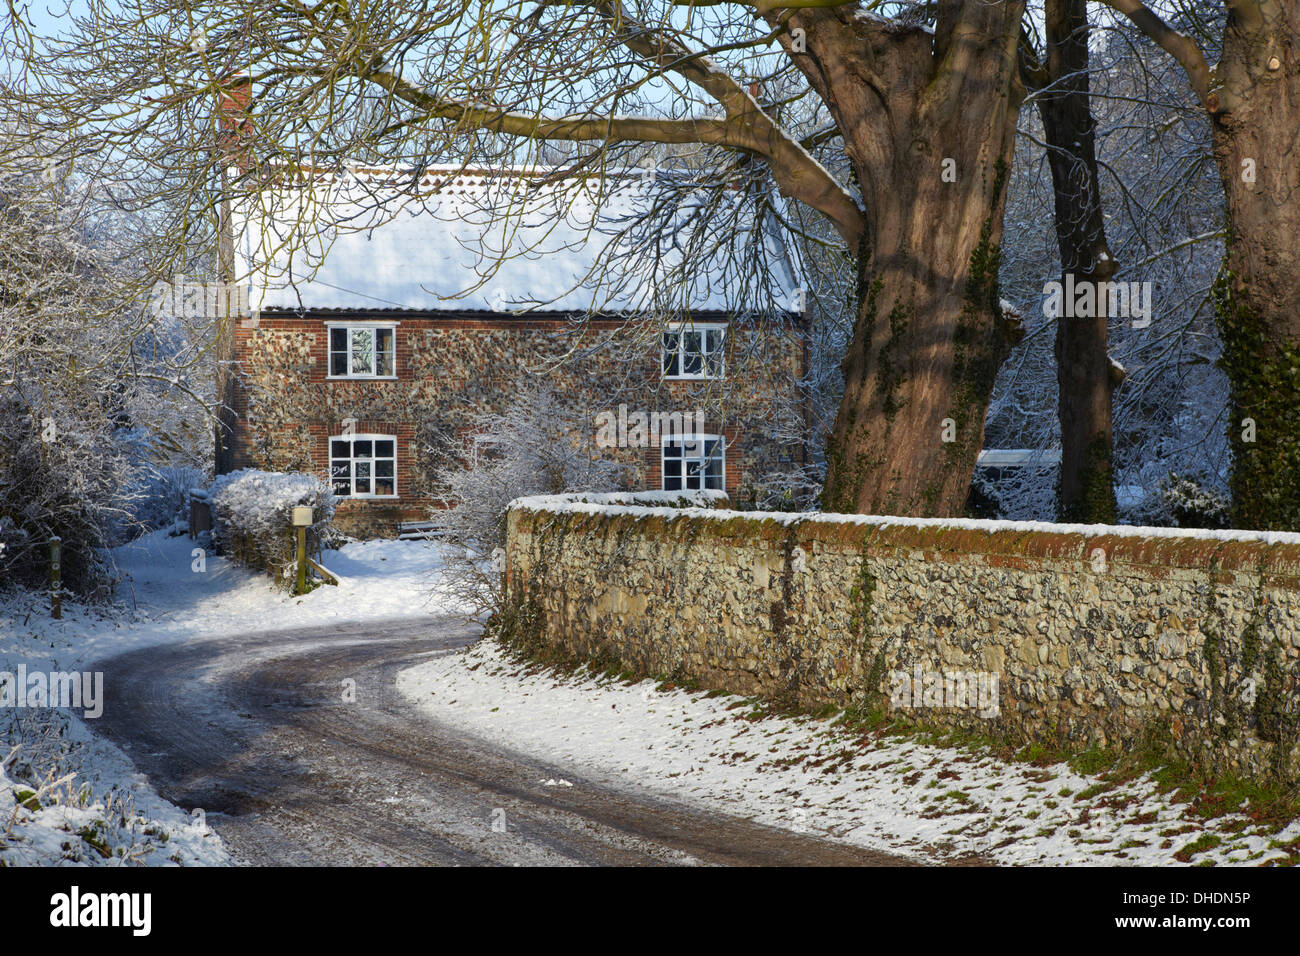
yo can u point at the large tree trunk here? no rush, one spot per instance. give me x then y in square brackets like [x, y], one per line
[930, 335]
[1086, 491]
[1255, 114]
[919, 370]
[223, 348]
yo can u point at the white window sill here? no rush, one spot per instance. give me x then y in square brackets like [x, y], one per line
[361, 378]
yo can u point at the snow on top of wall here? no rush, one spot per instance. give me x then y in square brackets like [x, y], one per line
[559, 504]
[444, 238]
[675, 500]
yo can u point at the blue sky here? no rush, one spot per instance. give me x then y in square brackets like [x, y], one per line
[43, 15]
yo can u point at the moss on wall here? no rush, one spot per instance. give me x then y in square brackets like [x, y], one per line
[814, 613]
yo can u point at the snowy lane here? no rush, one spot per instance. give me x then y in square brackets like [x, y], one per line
[255, 730]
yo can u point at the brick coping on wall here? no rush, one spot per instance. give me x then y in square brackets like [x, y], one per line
[1266, 552]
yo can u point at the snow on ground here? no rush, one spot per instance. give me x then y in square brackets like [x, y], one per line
[890, 793]
[884, 792]
[172, 601]
[100, 813]
[67, 797]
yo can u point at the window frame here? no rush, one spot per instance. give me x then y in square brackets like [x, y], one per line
[666, 440]
[349, 328]
[480, 447]
[373, 458]
[680, 329]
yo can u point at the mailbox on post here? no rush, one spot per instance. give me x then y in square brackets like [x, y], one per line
[302, 521]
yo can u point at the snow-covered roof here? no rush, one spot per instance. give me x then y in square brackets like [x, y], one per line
[447, 238]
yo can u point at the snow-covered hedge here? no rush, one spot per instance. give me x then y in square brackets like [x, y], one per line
[1191, 503]
[252, 515]
[68, 486]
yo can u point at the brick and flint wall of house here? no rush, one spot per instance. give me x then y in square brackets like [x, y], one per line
[452, 366]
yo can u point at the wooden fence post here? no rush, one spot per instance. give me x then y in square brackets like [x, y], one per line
[56, 578]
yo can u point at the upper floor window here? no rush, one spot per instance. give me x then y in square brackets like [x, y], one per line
[362, 351]
[363, 466]
[693, 351]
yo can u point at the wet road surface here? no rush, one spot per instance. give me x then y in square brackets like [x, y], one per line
[254, 730]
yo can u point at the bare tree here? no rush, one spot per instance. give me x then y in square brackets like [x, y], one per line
[923, 116]
[92, 390]
[1163, 225]
[1085, 374]
[62, 391]
[1251, 97]
[540, 444]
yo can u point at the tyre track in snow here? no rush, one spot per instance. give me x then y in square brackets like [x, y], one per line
[253, 729]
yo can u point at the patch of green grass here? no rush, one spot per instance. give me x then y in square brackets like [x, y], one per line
[1087, 793]
[1092, 761]
[1206, 841]
[94, 837]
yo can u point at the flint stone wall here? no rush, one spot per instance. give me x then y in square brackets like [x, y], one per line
[1099, 636]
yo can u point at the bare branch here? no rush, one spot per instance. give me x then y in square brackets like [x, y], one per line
[1181, 47]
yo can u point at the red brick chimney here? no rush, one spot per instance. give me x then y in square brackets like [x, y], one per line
[764, 102]
[234, 109]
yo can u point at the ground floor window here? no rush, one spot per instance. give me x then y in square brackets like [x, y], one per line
[693, 463]
[364, 466]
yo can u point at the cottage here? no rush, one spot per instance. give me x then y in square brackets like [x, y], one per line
[388, 307]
